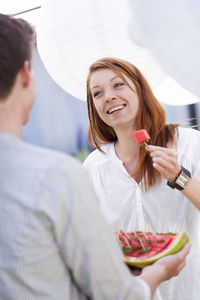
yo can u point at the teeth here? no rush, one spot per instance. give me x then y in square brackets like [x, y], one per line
[115, 108]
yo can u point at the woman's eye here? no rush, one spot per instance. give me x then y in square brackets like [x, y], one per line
[116, 85]
[96, 94]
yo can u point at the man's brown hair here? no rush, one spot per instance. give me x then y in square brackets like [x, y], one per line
[16, 43]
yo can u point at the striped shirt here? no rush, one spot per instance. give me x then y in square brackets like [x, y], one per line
[54, 242]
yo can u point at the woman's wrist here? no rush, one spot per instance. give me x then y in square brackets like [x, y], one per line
[181, 180]
[154, 275]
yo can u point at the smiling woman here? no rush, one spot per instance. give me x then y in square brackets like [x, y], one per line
[131, 181]
[113, 96]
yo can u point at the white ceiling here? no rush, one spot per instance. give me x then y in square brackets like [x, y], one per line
[167, 90]
[73, 34]
[13, 6]
[28, 10]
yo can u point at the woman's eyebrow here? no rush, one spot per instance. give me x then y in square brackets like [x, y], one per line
[94, 86]
[110, 80]
[115, 78]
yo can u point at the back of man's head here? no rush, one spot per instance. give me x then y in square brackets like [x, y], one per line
[16, 43]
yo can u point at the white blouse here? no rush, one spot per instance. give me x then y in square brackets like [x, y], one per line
[127, 206]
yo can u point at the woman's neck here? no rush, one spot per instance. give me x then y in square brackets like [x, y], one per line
[127, 151]
[126, 147]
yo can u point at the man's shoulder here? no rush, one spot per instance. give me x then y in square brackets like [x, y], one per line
[23, 156]
[43, 153]
[50, 156]
[45, 161]
[58, 170]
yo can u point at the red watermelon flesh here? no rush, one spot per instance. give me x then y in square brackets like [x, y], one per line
[141, 249]
[141, 136]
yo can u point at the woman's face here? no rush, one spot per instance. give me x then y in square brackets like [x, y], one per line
[115, 102]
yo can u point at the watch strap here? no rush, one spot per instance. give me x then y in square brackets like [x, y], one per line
[181, 180]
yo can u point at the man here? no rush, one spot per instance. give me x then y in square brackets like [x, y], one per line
[55, 244]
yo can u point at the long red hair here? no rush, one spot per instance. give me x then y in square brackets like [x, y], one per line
[151, 116]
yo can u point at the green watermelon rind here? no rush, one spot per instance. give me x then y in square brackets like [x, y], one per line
[177, 244]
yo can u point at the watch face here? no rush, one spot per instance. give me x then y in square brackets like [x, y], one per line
[182, 180]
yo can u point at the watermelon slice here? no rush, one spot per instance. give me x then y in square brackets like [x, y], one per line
[141, 249]
[141, 137]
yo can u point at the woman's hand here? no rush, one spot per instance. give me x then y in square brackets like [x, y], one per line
[164, 161]
[165, 268]
[172, 264]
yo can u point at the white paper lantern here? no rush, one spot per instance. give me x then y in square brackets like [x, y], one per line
[73, 34]
[171, 31]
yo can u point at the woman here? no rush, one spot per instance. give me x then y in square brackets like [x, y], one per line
[154, 188]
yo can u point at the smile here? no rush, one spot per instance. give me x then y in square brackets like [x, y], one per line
[113, 109]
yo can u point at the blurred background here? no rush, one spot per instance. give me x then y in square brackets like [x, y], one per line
[59, 118]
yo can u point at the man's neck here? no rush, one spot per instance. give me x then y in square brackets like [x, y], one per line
[11, 114]
[10, 123]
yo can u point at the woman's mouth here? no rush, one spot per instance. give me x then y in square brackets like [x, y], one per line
[116, 108]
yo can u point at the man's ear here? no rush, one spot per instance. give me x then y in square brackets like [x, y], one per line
[25, 73]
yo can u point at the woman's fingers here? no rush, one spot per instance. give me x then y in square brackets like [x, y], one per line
[174, 263]
[165, 161]
[151, 148]
[166, 168]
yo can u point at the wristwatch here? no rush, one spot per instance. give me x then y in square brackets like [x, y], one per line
[181, 181]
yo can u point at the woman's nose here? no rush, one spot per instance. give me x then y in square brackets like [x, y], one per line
[110, 95]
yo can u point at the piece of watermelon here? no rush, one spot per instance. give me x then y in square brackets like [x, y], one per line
[141, 136]
[141, 249]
